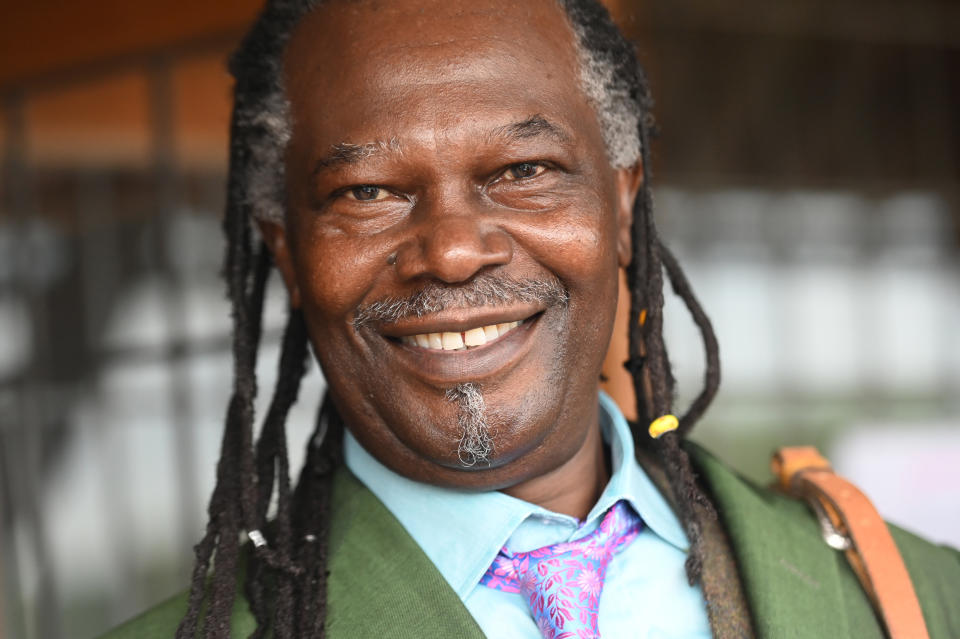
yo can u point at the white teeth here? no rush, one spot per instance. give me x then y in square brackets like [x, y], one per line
[452, 341]
[458, 341]
[475, 337]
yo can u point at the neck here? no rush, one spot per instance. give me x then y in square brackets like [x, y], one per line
[573, 488]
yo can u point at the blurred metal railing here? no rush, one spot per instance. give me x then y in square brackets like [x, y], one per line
[36, 398]
[67, 275]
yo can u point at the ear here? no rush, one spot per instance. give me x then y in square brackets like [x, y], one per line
[629, 181]
[275, 237]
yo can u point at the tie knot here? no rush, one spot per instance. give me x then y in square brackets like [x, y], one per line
[617, 528]
[562, 582]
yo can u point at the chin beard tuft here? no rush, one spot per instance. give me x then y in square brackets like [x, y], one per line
[475, 442]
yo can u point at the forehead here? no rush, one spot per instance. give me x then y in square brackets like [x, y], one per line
[366, 26]
[351, 63]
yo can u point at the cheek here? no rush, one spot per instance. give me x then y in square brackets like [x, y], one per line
[334, 272]
[577, 244]
[580, 249]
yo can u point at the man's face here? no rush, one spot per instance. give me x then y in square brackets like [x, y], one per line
[444, 148]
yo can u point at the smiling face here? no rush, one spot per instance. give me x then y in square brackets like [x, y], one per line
[452, 220]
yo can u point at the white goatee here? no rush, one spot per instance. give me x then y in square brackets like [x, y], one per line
[475, 442]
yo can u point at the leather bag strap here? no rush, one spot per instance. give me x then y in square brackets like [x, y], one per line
[849, 522]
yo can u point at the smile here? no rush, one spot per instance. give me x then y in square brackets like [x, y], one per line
[458, 341]
[459, 345]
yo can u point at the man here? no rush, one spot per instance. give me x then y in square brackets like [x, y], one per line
[448, 190]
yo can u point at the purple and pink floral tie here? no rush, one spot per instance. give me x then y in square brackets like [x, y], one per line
[562, 582]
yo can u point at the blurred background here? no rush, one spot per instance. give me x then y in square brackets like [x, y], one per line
[807, 175]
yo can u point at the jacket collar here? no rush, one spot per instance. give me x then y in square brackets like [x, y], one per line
[796, 585]
[380, 583]
[461, 532]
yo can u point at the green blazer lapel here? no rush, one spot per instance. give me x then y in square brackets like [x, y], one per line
[796, 585]
[381, 583]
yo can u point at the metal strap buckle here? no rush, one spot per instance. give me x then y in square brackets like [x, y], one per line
[834, 538]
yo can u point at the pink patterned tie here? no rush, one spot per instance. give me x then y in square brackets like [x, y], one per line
[562, 582]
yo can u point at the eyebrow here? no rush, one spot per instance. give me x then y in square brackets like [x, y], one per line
[346, 153]
[534, 126]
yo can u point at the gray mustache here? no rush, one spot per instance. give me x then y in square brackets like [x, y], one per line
[485, 289]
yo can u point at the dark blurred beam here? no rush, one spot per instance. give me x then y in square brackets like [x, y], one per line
[54, 36]
[32, 423]
[755, 108]
[931, 24]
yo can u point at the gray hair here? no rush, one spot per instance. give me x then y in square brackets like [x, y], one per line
[609, 94]
[484, 289]
[475, 444]
[267, 117]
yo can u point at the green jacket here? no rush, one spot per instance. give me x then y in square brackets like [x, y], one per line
[768, 573]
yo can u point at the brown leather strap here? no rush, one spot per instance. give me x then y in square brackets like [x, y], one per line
[851, 523]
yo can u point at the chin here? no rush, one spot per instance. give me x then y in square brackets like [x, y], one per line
[531, 436]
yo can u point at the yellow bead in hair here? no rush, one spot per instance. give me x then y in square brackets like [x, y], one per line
[663, 424]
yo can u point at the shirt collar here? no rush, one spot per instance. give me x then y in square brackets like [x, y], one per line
[462, 532]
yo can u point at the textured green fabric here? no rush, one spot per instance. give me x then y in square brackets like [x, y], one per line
[382, 585]
[160, 622]
[936, 579]
[798, 587]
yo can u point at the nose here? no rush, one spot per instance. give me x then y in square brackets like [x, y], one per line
[453, 240]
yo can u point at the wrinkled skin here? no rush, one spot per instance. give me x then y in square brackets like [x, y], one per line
[455, 186]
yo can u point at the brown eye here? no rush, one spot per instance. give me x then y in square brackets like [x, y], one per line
[523, 171]
[367, 193]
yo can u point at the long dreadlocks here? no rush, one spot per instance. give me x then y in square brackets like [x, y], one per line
[285, 580]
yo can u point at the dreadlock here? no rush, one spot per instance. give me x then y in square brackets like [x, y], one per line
[286, 574]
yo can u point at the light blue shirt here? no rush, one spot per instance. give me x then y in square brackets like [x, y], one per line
[646, 592]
